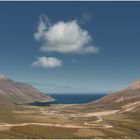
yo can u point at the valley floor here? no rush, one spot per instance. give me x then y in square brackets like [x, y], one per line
[59, 122]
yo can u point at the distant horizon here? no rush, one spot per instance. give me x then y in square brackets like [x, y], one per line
[77, 93]
[34, 84]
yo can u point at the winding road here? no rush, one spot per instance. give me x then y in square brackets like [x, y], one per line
[91, 124]
[6, 126]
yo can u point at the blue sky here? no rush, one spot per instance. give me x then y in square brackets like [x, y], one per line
[95, 46]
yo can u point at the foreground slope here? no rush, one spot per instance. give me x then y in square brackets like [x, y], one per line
[17, 92]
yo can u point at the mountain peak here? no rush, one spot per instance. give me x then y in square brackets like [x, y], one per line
[3, 77]
[134, 85]
[18, 92]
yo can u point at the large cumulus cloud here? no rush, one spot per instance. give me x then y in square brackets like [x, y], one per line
[64, 37]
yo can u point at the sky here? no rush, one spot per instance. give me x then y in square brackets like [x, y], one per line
[71, 47]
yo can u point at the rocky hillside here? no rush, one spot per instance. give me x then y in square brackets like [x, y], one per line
[127, 99]
[134, 85]
[17, 92]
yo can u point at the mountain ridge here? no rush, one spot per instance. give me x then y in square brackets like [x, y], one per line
[134, 85]
[122, 99]
[19, 92]
[125, 100]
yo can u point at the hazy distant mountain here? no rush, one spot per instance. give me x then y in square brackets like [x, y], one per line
[17, 92]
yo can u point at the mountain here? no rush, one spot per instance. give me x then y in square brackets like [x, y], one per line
[127, 99]
[17, 92]
[134, 85]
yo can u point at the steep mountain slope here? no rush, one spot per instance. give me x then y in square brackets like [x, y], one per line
[20, 92]
[127, 99]
[134, 85]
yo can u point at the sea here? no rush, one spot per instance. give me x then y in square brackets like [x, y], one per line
[71, 99]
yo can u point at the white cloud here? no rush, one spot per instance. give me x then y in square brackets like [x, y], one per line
[43, 25]
[40, 30]
[47, 62]
[65, 37]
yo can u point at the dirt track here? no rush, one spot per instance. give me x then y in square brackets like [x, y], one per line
[7, 126]
[93, 124]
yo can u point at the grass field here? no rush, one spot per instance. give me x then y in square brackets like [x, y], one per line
[125, 125]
